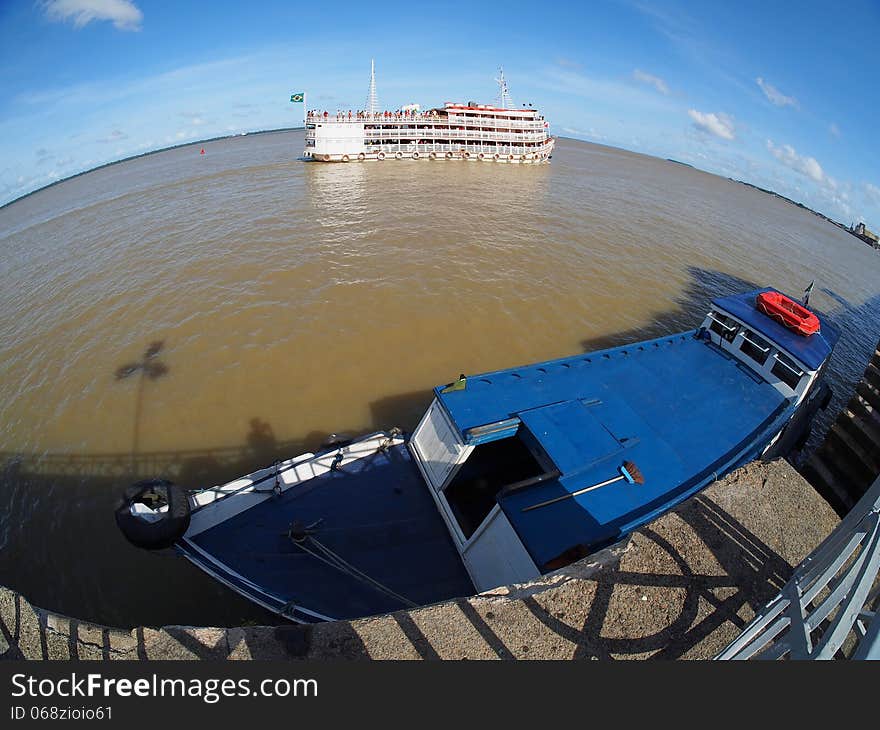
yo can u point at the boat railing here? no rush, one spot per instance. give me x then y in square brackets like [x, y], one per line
[755, 344]
[425, 119]
[426, 149]
[828, 609]
[456, 134]
[797, 372]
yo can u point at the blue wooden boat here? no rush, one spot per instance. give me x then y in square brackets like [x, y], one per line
[509, 475]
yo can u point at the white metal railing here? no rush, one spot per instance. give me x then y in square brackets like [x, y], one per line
[726, 326]
[784, 364]
[454, 134]
[537, 122]
[830, 604]
[748, 339]
[488, 150]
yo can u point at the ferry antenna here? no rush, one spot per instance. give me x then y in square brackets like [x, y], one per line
[372, 105]
[504, 100]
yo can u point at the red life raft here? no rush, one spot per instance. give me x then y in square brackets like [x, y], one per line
[784, 309]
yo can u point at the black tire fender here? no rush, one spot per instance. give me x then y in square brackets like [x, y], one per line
[161, 533]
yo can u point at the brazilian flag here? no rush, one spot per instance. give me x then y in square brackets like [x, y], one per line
[298, 98]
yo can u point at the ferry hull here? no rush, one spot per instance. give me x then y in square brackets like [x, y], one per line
[532, 158]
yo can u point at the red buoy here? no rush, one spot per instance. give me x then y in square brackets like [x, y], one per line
[203, 151]
[788, 312]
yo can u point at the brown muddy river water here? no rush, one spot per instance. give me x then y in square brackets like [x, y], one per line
[298, 299]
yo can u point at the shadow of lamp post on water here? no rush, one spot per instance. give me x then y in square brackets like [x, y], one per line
[147, 367]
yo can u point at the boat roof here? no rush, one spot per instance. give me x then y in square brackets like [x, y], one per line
[680, 407]
[812, 351]
[676, 407]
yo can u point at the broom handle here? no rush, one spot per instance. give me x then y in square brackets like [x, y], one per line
[575, 493]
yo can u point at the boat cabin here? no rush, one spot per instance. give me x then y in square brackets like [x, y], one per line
[779, 354]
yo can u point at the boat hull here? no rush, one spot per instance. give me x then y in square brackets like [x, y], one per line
[371, 514]
[537, 157]
[378, 513]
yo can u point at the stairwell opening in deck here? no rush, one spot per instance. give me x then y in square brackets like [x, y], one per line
[490, 466]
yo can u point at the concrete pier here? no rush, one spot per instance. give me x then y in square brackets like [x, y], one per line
[848, 461]
[682, 587]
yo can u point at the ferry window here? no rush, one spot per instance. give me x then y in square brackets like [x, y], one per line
[724, 326]
[787, 371]
[491, 466]
[755, 347]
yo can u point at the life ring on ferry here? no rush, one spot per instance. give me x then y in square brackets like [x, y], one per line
[432, 156]
[415, 155]
[362, 157]
[510, 157]
[481, 156]
[380, 156]
[398, 156]
[345, 158]
[153, 514]
[448, 155]
[496, 157]
[467, 155]
[326, 158]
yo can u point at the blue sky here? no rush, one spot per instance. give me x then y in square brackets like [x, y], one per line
[781, 94]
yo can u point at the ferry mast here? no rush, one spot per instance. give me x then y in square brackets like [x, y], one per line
[372, 106]
[504, 100]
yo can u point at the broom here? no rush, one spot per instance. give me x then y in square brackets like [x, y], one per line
[628, 471]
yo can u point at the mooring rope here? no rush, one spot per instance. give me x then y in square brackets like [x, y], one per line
[336, 561]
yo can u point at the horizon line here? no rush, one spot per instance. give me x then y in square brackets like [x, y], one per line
[145, 154]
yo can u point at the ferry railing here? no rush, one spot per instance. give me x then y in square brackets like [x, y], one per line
[433, 137]
[829, 607]
[450, 132]
[437, 121]
[457, 140]
[426, 149]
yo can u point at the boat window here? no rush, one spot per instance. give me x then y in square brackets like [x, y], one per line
[787, 371]
[723, 325]
[755, 347]
[491, 466]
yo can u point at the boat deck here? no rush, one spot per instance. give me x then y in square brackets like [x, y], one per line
[382, 521]
[679, 407]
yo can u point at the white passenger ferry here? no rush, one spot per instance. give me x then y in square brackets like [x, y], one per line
[475, 132]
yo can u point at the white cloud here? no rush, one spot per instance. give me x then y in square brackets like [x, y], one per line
[568, 63]
[808, 166]
[114, 136]
[654, 81]
[590, 133]
[623, 95]
[872, 192]
[774, 95]
[834, 129]
[124, 14]
[194, 118]
[721, 125]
